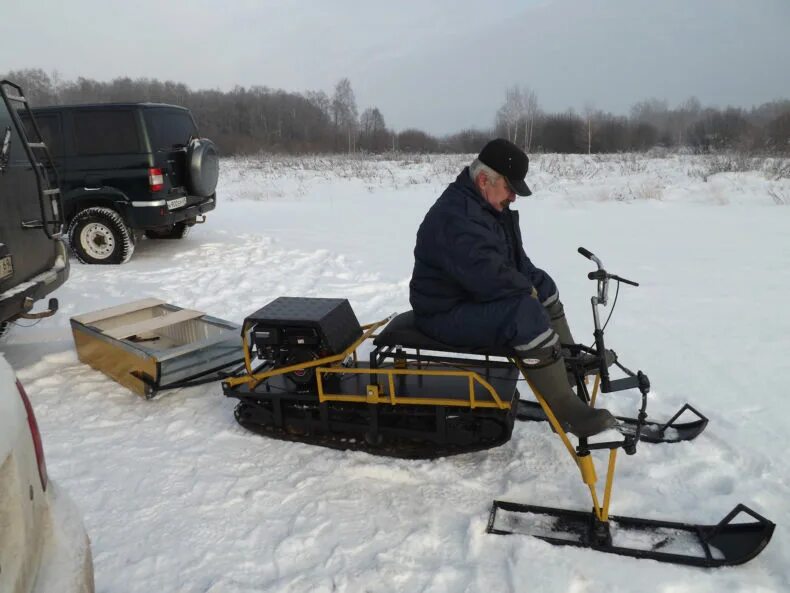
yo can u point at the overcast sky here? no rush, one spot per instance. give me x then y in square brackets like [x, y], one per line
[438, 65]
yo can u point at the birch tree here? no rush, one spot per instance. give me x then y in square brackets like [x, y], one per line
[531, 112]
[589, 116]
[517, 115]
[344, 111]
[509, 115]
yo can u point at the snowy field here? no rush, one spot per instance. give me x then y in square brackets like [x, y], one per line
[178, 498]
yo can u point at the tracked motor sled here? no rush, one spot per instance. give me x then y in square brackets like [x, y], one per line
[303, 380]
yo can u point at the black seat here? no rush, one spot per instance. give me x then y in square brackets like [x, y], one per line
[401, 331]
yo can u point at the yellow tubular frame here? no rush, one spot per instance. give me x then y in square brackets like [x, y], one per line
[595, 390]
[372, 396]
[584, 463]
[252, 379]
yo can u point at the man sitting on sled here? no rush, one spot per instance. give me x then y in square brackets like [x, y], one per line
[474, 286]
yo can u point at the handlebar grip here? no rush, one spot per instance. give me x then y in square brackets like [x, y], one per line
[597, 275]
[585, 253]
[624, 280]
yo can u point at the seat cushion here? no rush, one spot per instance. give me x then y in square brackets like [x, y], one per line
[401, 331]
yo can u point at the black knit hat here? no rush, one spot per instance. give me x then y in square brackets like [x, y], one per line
[508, 160]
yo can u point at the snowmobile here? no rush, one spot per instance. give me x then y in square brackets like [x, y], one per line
[303, 379]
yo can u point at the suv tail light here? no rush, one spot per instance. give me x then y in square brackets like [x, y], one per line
[156, 180]
[31, 420]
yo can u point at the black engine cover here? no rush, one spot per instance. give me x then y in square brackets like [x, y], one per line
[328, 325]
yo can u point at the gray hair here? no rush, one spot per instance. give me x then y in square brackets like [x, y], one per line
[478, 167]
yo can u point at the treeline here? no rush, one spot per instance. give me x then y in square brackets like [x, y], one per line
[651, 123]
[247, 120]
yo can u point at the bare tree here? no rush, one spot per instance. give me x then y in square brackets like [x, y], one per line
[531, 112]
[683, 117]
[40, 88]
[417, 141]
[373, 132]
[656, 113]
[779, 132]
[509, 115]
[589, 115]
[344, 111]
[320, 100]
[515, 119]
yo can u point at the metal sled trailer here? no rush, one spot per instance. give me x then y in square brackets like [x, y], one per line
[150, 345]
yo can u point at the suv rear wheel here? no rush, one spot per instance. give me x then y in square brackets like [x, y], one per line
[100, 236]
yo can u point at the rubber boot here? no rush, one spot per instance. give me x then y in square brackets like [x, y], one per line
[559, 323]
[551, 382]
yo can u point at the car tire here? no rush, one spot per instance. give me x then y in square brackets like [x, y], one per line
[178, 231]
[203, 167]
[100, 236]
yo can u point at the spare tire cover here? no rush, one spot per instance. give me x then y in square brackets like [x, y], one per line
[203, 164]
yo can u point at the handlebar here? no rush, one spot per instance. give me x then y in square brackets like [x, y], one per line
[640, 380]
[602, 277]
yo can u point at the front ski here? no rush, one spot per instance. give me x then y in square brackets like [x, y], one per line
[652, 432]
[723, 544]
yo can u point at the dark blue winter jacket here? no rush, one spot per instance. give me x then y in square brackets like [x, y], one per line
[472, 281]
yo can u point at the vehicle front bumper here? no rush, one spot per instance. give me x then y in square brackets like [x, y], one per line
[14, 301]
[156, 215]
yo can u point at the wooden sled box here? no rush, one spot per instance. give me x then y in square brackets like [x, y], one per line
[148, 345]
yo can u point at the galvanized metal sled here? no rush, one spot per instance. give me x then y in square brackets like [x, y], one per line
[149, 345]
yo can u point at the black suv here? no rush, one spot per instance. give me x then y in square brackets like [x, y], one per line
[33, 258]
[127, 168]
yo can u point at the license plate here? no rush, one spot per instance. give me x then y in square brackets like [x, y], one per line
[177, 203]
[6, 267]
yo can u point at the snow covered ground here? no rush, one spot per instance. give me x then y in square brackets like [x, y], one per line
[177, 497]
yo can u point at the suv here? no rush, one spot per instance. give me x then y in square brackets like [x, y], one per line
[128, 168]
[33, 258]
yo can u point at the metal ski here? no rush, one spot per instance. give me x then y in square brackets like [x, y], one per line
[709, 546]
[671, 431]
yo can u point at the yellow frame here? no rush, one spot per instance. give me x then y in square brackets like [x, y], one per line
[252, 379]
[372, 391]
[372, 395]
